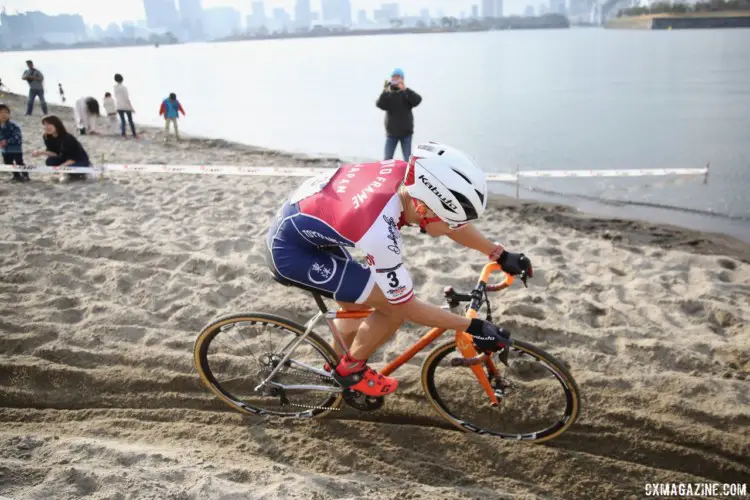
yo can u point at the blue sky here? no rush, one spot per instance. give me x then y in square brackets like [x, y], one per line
[105, 11]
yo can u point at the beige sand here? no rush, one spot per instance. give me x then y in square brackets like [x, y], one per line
[104, 286]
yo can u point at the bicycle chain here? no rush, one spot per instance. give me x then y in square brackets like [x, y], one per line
[312, 378]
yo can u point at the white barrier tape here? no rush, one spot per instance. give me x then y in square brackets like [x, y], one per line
[613, 173]
[50, 170]
[309, 172]
[219, 170]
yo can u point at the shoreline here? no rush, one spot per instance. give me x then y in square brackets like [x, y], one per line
[151, 149]
[683, 20]
[547, 21]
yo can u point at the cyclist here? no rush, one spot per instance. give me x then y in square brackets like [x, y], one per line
[440, 189]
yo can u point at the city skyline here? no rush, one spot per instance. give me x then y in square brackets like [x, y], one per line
[132, 10]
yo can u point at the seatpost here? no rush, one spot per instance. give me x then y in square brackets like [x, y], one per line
[335, 331]
[319, 301]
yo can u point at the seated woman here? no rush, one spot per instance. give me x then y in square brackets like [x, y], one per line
[62, 148]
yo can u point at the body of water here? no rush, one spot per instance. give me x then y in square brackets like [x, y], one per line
[547, 99]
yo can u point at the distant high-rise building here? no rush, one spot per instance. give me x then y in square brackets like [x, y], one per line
[221, 22]
[191, 18]
[113, 31]
[302, 14]
[282, 21]
[488, 8]
[424, 14]
[499, 8]
[557, 6]
[362, 17]
[387, 12]
[475, 11]
[161, 15]
[339, 11]
[258, 16]
[97, 31]
[581, 9]
[30, 28]
[529, 11]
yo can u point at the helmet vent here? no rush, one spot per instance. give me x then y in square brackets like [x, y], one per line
[469, 210]
[481, 196]
[462, 175]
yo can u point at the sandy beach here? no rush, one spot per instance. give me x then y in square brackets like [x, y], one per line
[105, 285]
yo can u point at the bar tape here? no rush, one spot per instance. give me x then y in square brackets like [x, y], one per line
[310, 172]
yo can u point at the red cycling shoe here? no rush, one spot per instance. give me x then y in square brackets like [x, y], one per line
[367, 381]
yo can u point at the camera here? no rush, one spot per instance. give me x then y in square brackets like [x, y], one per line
[389, 85]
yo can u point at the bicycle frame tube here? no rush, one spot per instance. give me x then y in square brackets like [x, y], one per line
[464, 341]
[413, 350]
[292, 347]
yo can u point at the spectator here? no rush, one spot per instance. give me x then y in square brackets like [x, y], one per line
[86, 113]
[124, 106]
[62, 92]
[171, 109]
[111, 109]
[36, 87]
[62, 148]
[11, 143]
[398, 101]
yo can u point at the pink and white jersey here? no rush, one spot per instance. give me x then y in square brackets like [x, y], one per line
[359, 206]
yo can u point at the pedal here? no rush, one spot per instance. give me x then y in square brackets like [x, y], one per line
[361, 401]
[281, 394]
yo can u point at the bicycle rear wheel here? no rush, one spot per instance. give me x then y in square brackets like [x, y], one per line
[538, 397]
[236, 353]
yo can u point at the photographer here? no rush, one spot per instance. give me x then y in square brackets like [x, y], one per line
[397, 101]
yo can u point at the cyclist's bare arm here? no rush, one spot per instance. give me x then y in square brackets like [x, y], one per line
[471, 237]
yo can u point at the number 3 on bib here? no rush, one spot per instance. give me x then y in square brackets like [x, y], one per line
[393, 279]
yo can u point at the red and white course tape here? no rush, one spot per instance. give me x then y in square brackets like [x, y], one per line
[310, 172]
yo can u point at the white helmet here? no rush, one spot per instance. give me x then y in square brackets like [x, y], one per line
[448, 182]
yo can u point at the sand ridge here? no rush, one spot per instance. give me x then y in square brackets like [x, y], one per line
[104, 286]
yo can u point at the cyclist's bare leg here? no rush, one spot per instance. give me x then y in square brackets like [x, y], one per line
[377, 328]
[373, 331]
[347, 327]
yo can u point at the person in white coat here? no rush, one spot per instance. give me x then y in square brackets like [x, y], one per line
[86, 112]
[110, 108]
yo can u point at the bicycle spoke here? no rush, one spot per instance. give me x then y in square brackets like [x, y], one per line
[236, 359]
[535, 399]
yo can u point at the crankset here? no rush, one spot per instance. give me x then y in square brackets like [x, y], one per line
[361, 401]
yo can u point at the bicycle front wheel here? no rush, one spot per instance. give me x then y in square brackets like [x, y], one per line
[236, 354]
[538, 397]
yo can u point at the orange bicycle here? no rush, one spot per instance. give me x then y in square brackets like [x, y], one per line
[263, 364]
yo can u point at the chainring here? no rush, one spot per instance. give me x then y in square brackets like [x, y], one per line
[361, 401]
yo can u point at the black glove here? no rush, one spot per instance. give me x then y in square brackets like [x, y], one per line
[515, 264]
[488, 338]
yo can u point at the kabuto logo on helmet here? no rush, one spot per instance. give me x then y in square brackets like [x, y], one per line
[447, 202]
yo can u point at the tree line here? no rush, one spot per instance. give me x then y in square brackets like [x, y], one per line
[682, 8]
